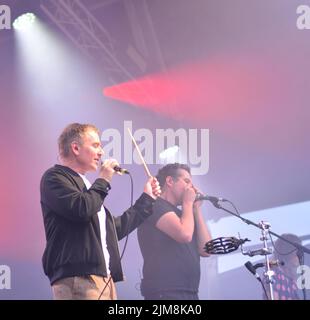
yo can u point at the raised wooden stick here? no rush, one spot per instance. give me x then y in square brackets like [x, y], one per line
[140, 155]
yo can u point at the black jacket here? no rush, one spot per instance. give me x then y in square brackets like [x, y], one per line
[73, 243]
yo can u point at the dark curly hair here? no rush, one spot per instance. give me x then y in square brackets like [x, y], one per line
[170, 170]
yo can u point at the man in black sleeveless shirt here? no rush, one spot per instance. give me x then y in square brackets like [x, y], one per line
[172, 239]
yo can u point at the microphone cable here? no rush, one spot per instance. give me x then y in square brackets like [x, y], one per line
[129, 223]
[231, 203]
[127, 233]
[252, 268]
[237, 211]
[264, 289]
[282, 253]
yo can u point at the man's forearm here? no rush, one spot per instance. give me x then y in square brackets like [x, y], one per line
[203, 233]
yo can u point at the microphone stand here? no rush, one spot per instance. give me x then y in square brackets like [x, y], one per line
[264, 227]
[268, 272]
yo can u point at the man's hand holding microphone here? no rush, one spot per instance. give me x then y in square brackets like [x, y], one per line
[111, 166]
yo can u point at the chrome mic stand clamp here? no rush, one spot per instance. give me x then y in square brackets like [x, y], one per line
[268, 274]
[265, 251]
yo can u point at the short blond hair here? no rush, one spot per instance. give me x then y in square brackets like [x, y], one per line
[72, 132]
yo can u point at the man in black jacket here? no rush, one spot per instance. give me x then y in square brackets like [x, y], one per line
[81, 258]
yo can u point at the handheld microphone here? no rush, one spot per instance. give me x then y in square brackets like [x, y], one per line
[121, 170]
[200, 197]
[116, 168]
